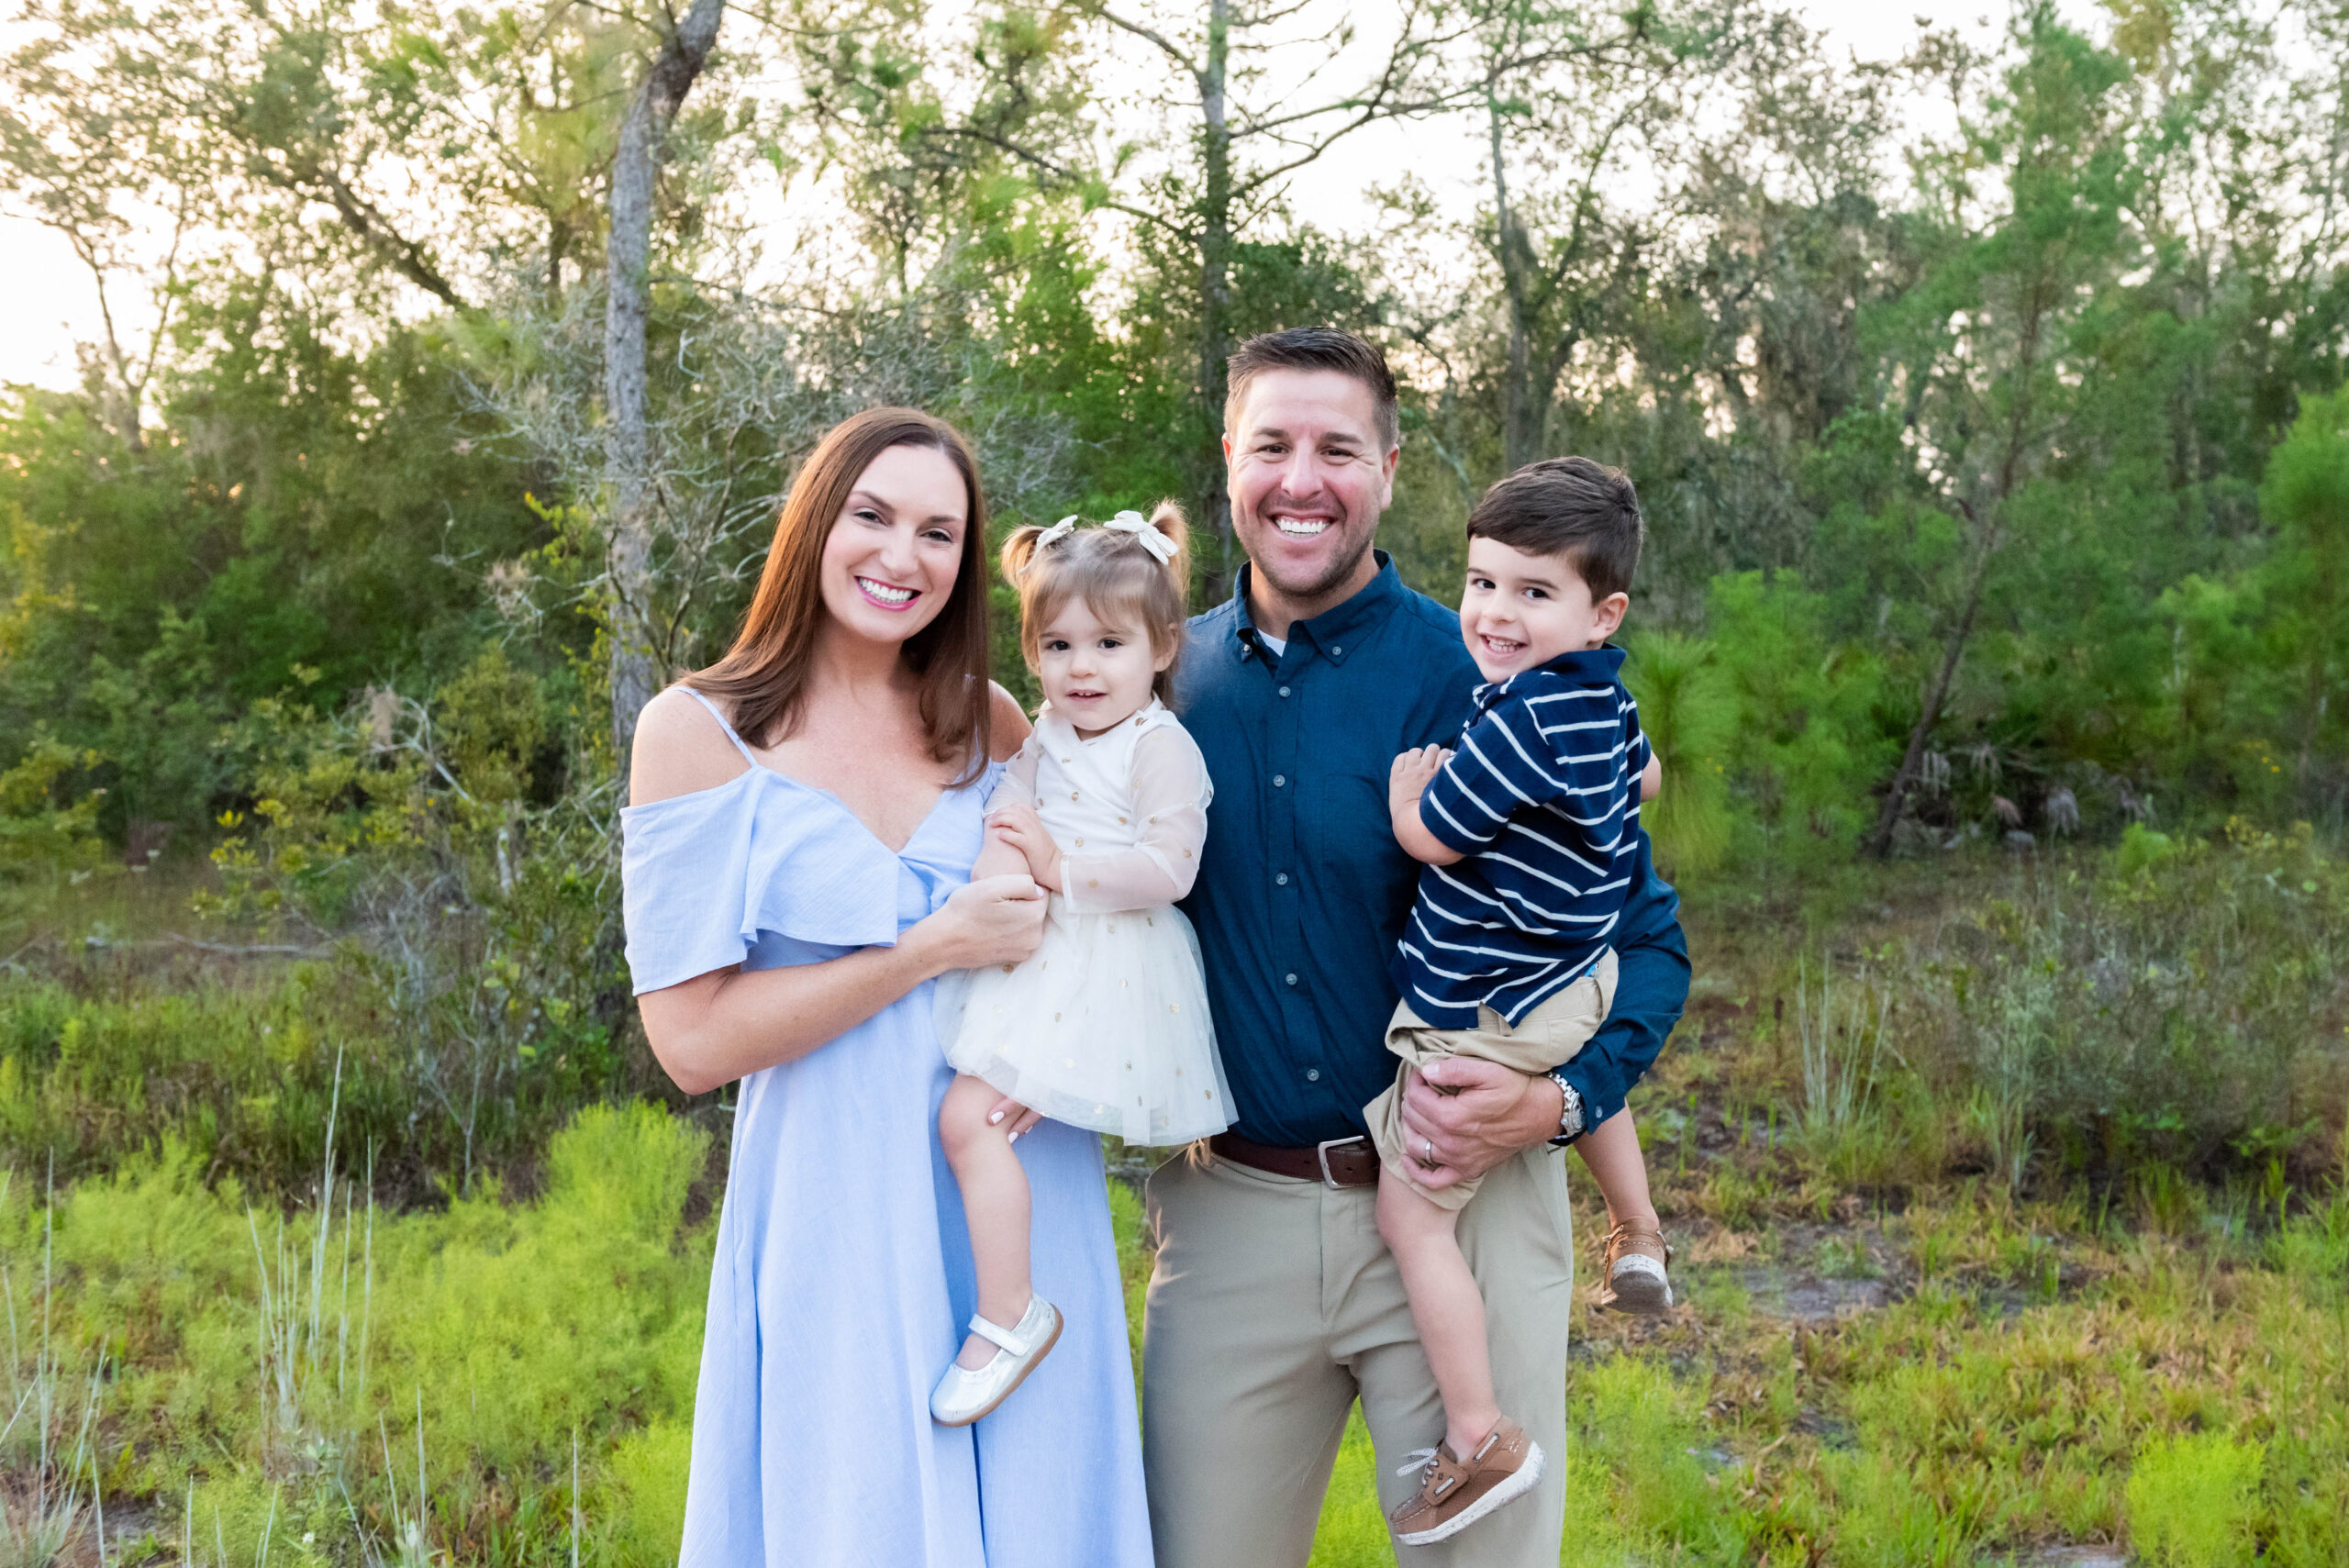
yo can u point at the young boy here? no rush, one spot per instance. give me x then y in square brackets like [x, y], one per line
[1527, 831]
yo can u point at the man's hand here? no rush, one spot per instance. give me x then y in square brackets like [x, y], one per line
[1475, 1115]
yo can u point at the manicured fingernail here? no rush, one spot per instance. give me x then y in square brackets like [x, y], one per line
[995, 1119]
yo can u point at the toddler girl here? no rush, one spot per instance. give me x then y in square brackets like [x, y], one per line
[1107, 1026]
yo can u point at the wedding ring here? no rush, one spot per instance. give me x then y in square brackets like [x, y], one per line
[1427, 1157]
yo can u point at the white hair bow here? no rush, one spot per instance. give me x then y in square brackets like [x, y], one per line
[1049, 538]
[1160, 548]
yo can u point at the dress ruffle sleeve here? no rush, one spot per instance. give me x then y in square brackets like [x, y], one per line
[702, 875]
[1171, 791]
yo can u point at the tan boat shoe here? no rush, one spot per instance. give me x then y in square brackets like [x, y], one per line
[1636, 1275]
[1454, 1493]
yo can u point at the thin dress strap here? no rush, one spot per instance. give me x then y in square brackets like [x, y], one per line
[740, 744]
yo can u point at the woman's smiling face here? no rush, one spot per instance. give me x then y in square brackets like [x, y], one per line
[894, 553]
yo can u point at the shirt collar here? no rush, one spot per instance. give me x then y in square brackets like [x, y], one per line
[1331, 631]
[1598, 666]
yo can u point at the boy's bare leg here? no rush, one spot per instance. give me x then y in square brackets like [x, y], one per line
[1611, 1149]
[1446, 1307]
[995, 1206]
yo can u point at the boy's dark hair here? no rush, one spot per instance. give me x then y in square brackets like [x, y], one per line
[1572, 507]
[1316, 349]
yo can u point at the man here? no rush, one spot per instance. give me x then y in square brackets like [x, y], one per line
[1273, 1305]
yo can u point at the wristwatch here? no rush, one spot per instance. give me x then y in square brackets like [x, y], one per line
[1570, 1109]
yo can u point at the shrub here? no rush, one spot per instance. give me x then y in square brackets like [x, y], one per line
[2184, 1009]
[1806, 752]
[1689, 715]
[2191, 1500]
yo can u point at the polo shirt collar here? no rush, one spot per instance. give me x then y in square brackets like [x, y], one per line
[1583, 667]
[1331, 631]
[1587, 665]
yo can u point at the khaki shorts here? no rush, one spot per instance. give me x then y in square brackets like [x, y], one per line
[1550, 1036]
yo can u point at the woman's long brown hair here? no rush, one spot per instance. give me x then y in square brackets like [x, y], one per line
[764, 677]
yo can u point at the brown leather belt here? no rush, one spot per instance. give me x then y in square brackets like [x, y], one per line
[1339, 1162]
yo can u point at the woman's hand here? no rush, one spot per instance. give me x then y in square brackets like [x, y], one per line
[1018, 826]
[998, 919]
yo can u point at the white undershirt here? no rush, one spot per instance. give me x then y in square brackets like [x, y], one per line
[1279, 645]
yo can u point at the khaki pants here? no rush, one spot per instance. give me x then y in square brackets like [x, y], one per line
[1550, 1036]
[1275, 1305]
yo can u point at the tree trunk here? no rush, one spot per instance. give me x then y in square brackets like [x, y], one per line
[2010, 475]
[1215, 290]
[628, 454]
[1523, 407]
[1912, 761]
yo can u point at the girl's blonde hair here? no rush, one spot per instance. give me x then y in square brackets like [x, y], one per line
[1116, 575]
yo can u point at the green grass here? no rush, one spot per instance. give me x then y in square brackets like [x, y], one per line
[2190, 1396]
[1934, 1314]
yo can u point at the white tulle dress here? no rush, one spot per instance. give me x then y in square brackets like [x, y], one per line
[1106, 1026]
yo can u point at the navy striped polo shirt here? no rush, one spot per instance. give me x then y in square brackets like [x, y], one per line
[1541, 800]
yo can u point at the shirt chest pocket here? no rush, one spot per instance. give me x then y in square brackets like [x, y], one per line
[1347, 835]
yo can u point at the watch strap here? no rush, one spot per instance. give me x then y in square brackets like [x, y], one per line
[1570, 1113]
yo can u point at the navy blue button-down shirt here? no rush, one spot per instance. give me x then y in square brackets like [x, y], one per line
[1302, 891]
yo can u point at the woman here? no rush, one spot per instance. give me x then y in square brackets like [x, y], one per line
[805, 816]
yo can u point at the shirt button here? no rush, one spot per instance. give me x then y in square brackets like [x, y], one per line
[1290, 978]
[1284, 691]
[1279, 780]
[1281, 880]
[1337, 652]
[1313, 1074]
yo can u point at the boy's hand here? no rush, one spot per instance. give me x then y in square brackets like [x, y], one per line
[1409, 777]
[1019, 826]
[1406, 782]
[1651, 778]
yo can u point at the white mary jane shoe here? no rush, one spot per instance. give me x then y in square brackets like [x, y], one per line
[965, 1394]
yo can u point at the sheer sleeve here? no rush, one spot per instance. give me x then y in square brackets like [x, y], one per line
[1171, 791]
[1018, 784]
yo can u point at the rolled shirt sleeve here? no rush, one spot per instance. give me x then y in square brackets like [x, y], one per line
[1651, 992]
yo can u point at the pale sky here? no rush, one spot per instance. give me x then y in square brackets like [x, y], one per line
[54, 304]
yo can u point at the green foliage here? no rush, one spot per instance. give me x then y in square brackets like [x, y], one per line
[2140, 849]
[1806, 743]
[2191, 1501]
[43, 823]
[489, 1333]
[1689, 715]
[1641, 1486]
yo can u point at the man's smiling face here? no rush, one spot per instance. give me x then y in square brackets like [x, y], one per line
[1310, 476]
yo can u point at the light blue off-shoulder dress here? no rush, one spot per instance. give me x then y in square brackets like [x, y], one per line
[843, 1274]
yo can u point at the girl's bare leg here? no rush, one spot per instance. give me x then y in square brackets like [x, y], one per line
[1446, 1307]
[1611, 1149]
[995, 1207]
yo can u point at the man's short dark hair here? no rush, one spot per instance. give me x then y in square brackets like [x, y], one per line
[1316, 349]
[1572, 507]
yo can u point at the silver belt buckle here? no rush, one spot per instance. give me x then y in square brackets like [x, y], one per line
[1322, 1156]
